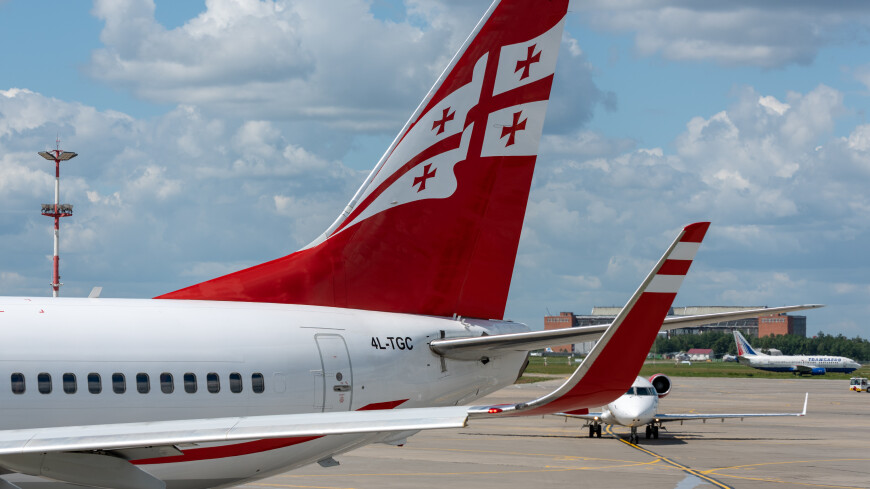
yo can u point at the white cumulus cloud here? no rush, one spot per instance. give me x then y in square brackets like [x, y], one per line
[765, 34]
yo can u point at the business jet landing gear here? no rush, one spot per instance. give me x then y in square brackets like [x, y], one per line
[652, 431]
[594, 430]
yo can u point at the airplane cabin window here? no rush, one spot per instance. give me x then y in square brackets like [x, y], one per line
[258, 384]
[190, 383]
[43, 383]
[95, 383]
[119, 383]
[143, 383]
[213, 382]
[166, 384]
[18, 383]
[235, 382]
[69, 383]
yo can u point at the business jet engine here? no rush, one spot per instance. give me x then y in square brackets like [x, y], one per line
[661, 383]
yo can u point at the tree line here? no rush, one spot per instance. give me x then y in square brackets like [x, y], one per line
[721, 343]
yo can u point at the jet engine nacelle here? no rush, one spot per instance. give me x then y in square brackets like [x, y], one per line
[661, 383]
[817, 371]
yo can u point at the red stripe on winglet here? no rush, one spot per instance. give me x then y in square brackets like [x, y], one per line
[695, 232]
[621, 359]
[675, 267]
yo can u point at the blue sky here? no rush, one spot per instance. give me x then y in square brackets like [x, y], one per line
[217, 135]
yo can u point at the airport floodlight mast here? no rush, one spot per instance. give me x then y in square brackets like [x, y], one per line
[57, 210]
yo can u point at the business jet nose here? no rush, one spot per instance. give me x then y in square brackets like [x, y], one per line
[634, 414]
[624, 418]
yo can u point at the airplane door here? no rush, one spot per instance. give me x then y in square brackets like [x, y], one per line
[335, 384]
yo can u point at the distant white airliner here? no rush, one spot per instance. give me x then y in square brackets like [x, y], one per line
[797, 364]
[639, 407]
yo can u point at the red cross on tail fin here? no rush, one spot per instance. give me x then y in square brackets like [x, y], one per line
[615, 361]
[434, 229]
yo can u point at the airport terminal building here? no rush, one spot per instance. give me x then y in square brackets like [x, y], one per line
[757, 326]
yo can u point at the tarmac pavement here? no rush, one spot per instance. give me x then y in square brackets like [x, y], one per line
[828, 448]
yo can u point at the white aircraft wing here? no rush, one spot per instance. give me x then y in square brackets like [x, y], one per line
[179, 432]
[664, 418]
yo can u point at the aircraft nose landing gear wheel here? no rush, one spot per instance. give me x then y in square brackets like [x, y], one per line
[633, 438]
[655, 432]
[595, 430]
[649, 431]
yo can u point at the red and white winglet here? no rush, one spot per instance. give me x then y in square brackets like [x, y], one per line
[615, 361]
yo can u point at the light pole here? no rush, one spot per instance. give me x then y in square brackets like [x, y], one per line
[56, 210]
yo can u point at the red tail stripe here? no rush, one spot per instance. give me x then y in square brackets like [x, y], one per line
[382, 405]
[675, 267]
[695, 232]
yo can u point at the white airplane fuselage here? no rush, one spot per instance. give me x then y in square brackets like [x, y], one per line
[787, 363]
[798, 364]
[311, 359]
[635, 408]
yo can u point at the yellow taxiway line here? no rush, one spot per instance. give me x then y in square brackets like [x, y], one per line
[682, 467]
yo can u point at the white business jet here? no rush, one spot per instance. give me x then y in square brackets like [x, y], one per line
[639, 407]
[381, 327]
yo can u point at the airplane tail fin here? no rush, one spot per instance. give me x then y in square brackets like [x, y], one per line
[744, 349]
[435, 227]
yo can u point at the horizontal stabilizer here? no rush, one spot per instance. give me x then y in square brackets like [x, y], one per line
[675, 322]
[476, 347]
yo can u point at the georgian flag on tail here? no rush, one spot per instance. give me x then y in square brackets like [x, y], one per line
[434, 229]
[499, 112]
